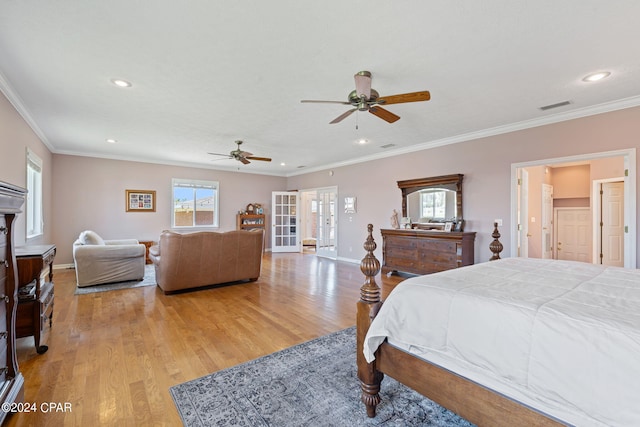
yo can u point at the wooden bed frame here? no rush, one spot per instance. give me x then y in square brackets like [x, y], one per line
[466, 398]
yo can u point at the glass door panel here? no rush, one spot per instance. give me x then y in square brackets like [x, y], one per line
[285, 222]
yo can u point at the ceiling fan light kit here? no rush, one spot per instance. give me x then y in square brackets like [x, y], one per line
[241, 156]
[364, 98]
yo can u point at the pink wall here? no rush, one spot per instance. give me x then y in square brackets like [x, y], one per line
[15, 137]
[486, 165]
[90, 194]
[572, 182]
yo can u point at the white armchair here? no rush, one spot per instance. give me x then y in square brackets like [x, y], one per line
[99, 261]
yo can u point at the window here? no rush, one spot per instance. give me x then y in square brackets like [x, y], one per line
[35, 226]
[433, 204]
[195, 203]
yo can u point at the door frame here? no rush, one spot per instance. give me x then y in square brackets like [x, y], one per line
[629, 156]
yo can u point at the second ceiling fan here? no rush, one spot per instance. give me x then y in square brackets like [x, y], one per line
[242, 156]
[363, 98]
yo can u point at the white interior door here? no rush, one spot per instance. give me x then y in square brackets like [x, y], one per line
[547, 221]
[573, 227]
[612, 224]
[327, 224]
[284, 221]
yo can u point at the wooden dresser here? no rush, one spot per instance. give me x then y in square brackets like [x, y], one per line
[11, 380]
[423, 252]
[35, 293]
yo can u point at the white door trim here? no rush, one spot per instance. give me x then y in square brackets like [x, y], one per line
[629, 156]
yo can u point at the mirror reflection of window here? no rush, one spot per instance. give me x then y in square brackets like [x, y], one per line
[432, 203]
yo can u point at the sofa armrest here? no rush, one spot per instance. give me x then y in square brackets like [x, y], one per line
[154, 250]
[122, 242]
[96, 252]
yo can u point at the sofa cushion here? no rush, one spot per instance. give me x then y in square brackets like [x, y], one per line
[89, 237]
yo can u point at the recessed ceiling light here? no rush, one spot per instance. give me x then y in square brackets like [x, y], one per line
[594, 77]
[362, 141]
[111, 140]
[121, 83]
[283, 164]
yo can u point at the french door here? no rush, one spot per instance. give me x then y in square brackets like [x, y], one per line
[327, 224]
[284, 221]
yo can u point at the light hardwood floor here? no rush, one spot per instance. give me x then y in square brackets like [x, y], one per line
[113, 355]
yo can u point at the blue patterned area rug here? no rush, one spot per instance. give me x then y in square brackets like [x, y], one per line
[310, 384]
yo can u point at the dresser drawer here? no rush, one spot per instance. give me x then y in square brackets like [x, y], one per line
[437, 245]
[396, 252]
[400, 242]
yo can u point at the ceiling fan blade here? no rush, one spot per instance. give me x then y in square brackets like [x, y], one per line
[405, 97]
[385, 115]
[219, 154]
[342, 116]
[325, 102]
[244, 154]
[243, 160]
[262, 159]
[363, 84]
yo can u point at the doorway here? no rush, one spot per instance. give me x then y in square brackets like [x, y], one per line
[319, 221]
[526, 229]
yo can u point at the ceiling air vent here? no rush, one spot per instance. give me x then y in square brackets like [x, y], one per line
[551, 106]
[388, 146]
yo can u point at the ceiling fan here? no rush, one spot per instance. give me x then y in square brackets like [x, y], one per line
[242, 156]
[363, 98]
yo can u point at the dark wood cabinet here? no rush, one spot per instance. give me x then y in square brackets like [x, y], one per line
[423, 252]
[35, 293]
[11, 379]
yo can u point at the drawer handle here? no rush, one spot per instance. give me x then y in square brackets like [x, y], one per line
[5, 298]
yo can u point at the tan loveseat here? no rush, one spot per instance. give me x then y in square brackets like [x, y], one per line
[192, 260]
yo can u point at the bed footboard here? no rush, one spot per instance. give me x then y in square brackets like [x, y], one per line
[468, 399]
[367, 309]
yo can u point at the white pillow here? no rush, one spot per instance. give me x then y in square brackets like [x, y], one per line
[89, 237]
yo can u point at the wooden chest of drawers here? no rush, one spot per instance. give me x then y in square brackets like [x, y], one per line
[11, 380]
[424, 252]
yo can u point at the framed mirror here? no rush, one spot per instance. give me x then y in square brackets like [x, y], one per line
[432, 202]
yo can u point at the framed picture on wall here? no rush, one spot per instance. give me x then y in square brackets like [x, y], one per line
[349, 205]
[140, 200]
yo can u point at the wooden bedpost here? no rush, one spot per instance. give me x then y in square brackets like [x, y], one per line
[495, 246]
[367, 309]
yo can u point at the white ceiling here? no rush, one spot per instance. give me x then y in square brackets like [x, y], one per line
[206, 73]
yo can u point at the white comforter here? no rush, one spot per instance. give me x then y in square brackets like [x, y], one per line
[560, 336]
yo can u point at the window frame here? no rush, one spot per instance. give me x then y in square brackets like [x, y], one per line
[195, 184]
[34, 209]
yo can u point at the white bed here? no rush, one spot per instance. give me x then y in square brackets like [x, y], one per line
[562, 337]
